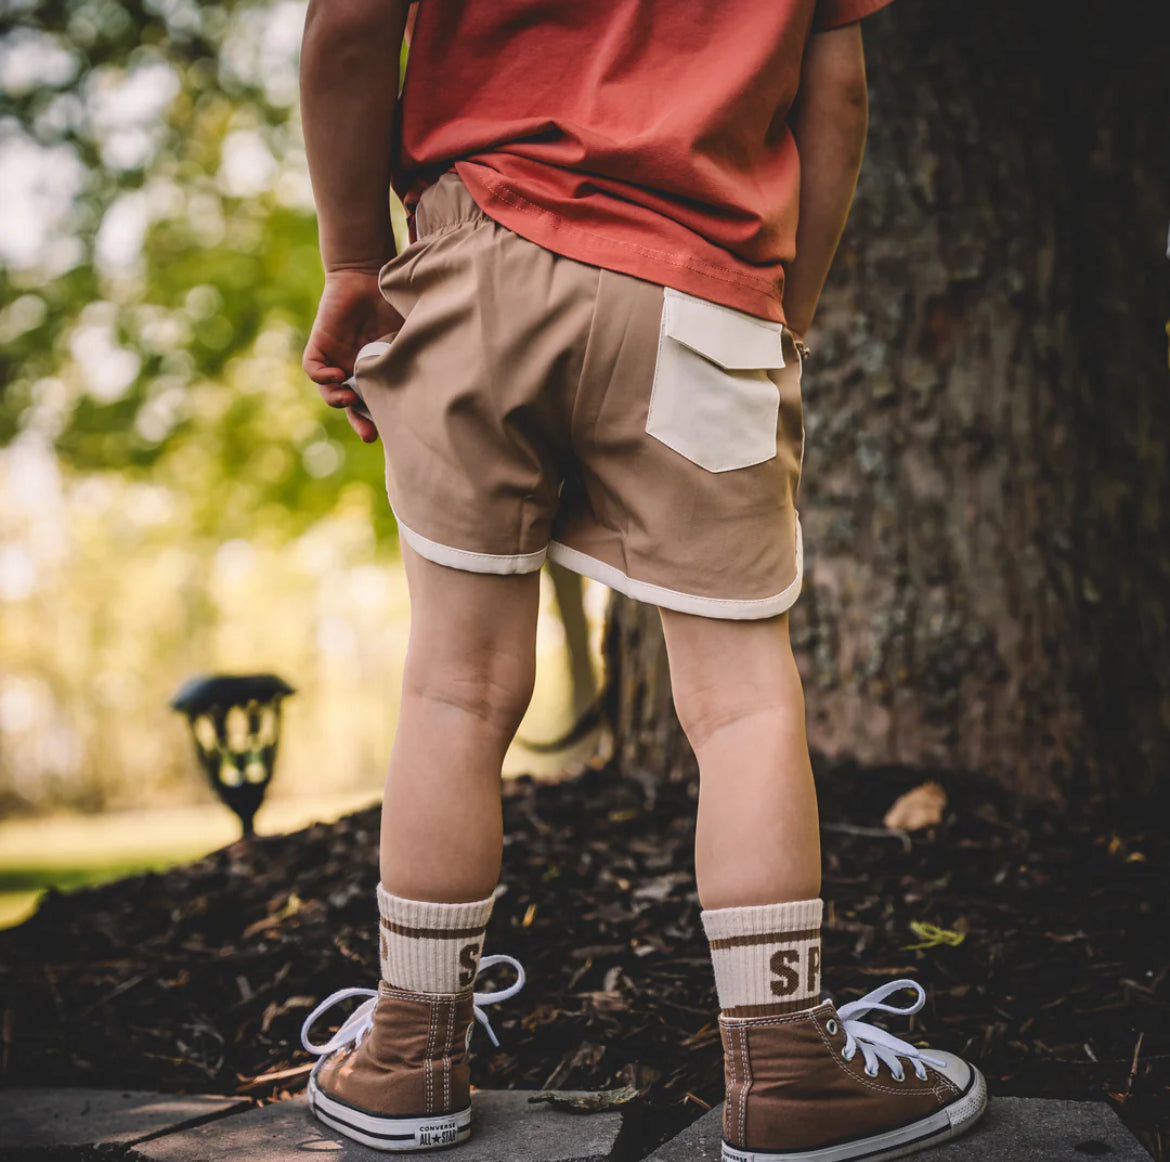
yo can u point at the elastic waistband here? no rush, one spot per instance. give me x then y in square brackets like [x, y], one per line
[446, 202]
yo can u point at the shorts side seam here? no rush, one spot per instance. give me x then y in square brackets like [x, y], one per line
[465, 559]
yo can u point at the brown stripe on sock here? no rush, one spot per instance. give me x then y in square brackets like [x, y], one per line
[432, 933]
[766, 938]
[774, 1009]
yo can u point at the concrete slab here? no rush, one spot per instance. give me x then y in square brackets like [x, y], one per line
[1014, 1129]
[506, 1127]
[1028, 1129]
[699, 1142]
[87, 1117]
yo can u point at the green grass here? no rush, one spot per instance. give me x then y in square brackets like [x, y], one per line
[32, 879]
[73, 851]
[21, 888]
[16, 907]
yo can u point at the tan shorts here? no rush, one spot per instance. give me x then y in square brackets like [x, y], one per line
[535, 406]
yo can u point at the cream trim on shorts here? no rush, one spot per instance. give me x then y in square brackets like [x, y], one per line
[465, 559]
[503, 564]
[728, 609]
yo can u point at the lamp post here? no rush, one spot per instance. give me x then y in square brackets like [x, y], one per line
[235, 722]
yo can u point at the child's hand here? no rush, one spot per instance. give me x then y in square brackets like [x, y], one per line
[352, 312]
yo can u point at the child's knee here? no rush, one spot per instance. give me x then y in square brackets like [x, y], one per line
[494, 687]
[702, 710]
[722, 674]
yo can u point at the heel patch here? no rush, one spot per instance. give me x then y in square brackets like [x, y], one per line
[438, 1133]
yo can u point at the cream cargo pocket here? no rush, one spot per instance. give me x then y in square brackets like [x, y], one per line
[712, 400]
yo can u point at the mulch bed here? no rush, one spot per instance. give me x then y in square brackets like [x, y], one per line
[198, 979]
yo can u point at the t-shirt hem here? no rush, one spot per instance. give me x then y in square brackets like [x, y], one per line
[837, 13]
[681, 272]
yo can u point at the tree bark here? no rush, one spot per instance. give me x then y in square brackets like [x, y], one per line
[986, 484]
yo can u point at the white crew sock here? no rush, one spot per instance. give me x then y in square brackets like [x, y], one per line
[430, 947]
[767, 957]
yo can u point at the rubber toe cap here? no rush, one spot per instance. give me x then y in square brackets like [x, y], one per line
[954, 1069]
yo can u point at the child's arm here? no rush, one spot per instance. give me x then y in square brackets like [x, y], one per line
[349, 89]
[829, 123]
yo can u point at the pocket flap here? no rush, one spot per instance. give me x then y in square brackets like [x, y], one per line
[733, 339]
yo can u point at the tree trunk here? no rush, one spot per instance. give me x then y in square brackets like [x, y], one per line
[986, 489]
[647, 737]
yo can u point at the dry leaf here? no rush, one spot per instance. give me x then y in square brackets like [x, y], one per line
[605, 1000]
[590, 1103]
[931, 935]
[921, 807]
[279, 1075]
[275, 1009]
[272, 921]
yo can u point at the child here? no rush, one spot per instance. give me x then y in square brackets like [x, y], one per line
[622, 213]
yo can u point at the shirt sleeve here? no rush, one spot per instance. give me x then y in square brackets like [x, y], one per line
[836, 13]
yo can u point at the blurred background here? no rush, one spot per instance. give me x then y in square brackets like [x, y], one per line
[984, 616]
[986, 489]
[174, 496]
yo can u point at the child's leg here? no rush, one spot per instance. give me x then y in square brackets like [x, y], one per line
[396, 1075]
[469, 674]
[739, 698]
[803, 1079]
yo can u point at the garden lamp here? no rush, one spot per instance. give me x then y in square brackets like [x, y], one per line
[235, 721]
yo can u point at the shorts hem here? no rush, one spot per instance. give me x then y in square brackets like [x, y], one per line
[502, 564]
[728, 609]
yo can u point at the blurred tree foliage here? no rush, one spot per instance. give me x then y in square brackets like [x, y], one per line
[176, 123]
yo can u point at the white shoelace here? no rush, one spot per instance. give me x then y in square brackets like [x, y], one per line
[876, 1043]
[361, 1020]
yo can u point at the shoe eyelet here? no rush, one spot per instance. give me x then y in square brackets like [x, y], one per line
[899, 1076]
[831, 1027]
[871, 1073]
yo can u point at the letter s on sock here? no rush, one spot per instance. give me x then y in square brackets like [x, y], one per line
[787, 981]
[469, 962]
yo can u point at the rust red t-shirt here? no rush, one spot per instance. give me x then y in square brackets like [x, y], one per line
[644, 136]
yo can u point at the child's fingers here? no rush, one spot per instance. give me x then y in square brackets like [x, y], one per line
[333, 388]
[319, 370]
[364, 428]
[337, 395]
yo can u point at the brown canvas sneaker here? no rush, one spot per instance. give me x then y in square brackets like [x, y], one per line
[824, 1086]
[395, 1076]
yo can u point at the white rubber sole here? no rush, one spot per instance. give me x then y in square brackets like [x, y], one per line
[949, 1122]
[380, 1132]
